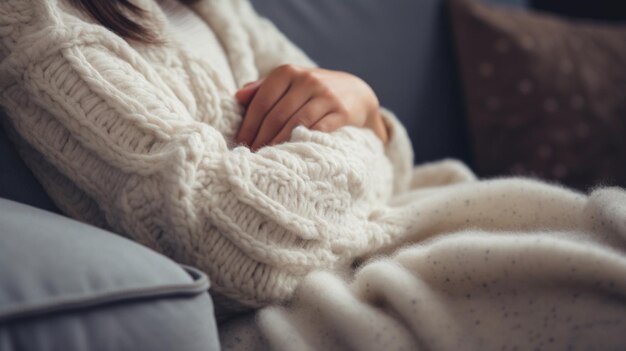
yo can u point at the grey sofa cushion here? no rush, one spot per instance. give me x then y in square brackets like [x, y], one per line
[65, 285]
[402, 48]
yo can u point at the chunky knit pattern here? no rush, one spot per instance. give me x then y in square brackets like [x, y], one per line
[505, 264]
[138, 139]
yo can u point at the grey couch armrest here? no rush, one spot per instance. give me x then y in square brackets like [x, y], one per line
[65, 285]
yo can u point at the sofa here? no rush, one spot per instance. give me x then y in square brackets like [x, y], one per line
[65, 285]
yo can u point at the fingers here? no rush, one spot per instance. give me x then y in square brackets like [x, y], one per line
[330, 123]
[244, 95]
[292, 96]
[309, 115]
[297, 96]
[268, 94]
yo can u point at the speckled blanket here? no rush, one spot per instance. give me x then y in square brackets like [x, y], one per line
[494, 265]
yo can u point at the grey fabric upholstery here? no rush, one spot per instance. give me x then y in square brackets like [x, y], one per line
[65, 286]
[401, 47]
[17, 182]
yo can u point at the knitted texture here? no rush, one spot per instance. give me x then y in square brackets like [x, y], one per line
[137, 138]
[505, 264]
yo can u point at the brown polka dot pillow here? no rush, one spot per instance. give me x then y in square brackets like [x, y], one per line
[545, 96]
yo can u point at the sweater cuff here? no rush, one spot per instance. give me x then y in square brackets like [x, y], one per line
[399, 151]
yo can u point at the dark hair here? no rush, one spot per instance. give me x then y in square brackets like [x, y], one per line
[113, 14]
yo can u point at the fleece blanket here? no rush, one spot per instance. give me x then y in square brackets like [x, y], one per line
[493, 265]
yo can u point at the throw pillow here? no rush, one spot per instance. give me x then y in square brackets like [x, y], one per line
[545, 96]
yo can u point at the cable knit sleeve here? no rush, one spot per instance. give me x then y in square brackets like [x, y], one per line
[256, 222]
[272, 48]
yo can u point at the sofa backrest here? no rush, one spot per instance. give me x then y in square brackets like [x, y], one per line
[402, 48]
[17, 182]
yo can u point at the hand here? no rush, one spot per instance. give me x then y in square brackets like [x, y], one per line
[316, 98]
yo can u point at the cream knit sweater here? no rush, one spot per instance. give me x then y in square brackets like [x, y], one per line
[138, 139]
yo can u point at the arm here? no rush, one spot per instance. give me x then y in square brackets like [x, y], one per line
[256, 222]
[273, 49]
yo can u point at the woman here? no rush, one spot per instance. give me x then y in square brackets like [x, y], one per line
[131, 117]
[129, 114]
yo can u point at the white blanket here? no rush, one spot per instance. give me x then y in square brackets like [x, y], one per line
[493, 265]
